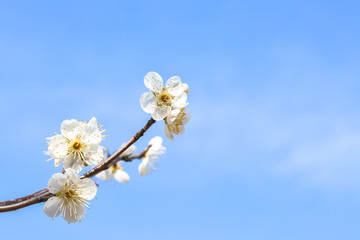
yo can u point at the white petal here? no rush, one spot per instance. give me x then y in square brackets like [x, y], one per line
[180, 130]
[160, 113]
[105, 175]
[173, 115]
[186, 117]
[121, 176]
[180, 101]
[92, 124]
[60, 151]
[71, 173]
[155, 151]
[73, 212]
[96, 155]
[91, 133]
[156, 141]
[74, 164]
[69, 127]
[143, 170]
[153, 81]
[148, 102]
[57, 182]
[52, 207]
[174, 86]
[168, 133]
[87, 189]
[69, 213]
[58, 161]
[80, 212]
[58, 147]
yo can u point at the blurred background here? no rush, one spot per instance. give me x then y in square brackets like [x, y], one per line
[273, 147]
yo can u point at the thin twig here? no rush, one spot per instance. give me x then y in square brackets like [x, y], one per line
[105, 164]
[44, 194]
[129, 158]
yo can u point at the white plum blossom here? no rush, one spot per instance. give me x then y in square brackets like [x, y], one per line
[151, 157]
[78, 145]
[71, 195]
[116, 171]
[175, 121]
[162, 99]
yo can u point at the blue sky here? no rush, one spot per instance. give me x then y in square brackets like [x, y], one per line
[271, 152]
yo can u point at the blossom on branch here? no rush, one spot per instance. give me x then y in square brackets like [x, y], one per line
[72, 194]
[151, 157]
[162, 99]
[78, 145]
[175, 121]
[116, 171]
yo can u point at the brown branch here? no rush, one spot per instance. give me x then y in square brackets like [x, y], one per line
[105, 164]
[44, 194]
[22, 199]
[129, 158]
[21, 203]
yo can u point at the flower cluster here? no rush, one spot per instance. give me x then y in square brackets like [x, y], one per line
[149, 161]
[79, 145]
[71, 195]
[116, 171]
[166, 102]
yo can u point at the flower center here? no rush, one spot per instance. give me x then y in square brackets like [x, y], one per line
[77, 149]
[164, 98]
[76, 145]
[114, 168]
[69, 194]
